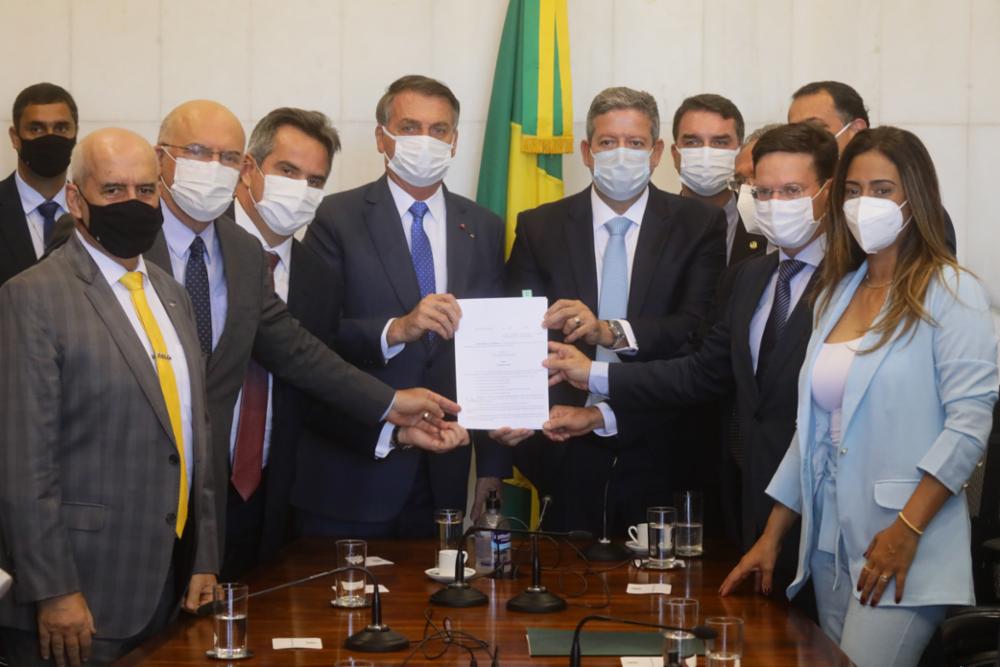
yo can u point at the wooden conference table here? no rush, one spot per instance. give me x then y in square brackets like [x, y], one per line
[776, 635]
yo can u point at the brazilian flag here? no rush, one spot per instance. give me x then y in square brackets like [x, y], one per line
[530, 122]
[529, 127]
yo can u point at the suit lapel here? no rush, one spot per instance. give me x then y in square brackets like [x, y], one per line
[800, 319]
[745, 244]
[650, 249]
[298, 283]
[106, 305]
[159, 254]
[579, 236]
[460, 233]
[386, 231]
[744, 311]
[226, 230]
[14, 224]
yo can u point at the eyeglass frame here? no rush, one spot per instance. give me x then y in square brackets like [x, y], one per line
[203, 153]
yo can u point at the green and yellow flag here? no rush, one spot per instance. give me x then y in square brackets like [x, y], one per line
[530, 123]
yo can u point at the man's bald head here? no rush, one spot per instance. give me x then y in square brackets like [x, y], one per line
[110, 149]
[203, 122]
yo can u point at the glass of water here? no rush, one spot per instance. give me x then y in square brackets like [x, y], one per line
[351, 584]
[682, 613]
[660, 524]
[449, 523]
[727, 647]
[230, 614]
[689, 523]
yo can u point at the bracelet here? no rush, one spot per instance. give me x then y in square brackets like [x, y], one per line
[909, 525]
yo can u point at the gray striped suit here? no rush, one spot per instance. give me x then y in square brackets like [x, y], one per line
[88, 465]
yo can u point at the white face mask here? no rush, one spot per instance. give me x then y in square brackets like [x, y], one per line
[621, 173]
[875, 223]
[420, 160]
[203, 190]
[787, 223]
[287, 204]
[706, 170]
[747, 207]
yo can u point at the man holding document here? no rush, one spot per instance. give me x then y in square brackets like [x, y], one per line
[628, 271]
[405, 249]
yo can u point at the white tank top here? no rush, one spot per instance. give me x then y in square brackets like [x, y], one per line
[830, 378]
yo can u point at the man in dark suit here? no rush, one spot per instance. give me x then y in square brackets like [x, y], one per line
[756, 347]
[629, 272]
[106, 483]
[708, 130]
[237, 313]
[403, 249]
[32, 198]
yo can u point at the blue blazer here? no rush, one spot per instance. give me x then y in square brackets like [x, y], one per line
[921, 404]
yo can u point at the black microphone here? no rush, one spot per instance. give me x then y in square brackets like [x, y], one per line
[700, 631]
[546, 501]
[604, 550]
[459, 594]
[376, 638]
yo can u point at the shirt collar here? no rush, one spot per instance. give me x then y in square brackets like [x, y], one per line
[603, 212]
[283, 250]
[109, 268]
[179, 236]
[435, 203]
[812, 254]
[31, 198]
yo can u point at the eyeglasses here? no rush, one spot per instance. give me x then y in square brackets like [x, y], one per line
[201, 153]
[790, 191]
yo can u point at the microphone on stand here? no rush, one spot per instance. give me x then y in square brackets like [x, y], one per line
[375, 638]
[700, 631]
[459, 594]
[604, 550]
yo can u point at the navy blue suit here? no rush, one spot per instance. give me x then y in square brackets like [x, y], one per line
[360, 235]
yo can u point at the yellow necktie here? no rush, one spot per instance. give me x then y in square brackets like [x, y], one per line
[168, 382]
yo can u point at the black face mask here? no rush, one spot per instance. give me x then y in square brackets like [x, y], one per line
[125, 229]
[48, 155]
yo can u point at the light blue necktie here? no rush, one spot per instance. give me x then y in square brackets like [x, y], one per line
[613, 303]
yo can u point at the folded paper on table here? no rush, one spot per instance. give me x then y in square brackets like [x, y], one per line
[550, 641]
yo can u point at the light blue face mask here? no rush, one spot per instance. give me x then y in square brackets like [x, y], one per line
[621, 173]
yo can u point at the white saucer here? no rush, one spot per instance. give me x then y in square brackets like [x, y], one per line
[636, 548]
[448, 578]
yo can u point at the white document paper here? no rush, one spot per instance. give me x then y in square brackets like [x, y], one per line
[499, 349]
[374, 561]
[296, 642]
[657, 662]
[647, 589]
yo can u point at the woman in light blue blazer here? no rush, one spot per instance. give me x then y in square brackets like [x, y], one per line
[895, 405]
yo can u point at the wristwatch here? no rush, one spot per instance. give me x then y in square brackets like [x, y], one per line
[618, 331]
[394, 441]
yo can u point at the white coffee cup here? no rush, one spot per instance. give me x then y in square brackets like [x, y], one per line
[446, 561]
[639, 534]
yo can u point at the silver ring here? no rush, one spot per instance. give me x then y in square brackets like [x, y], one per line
[426, 416]
[884, 578]
[577, 321]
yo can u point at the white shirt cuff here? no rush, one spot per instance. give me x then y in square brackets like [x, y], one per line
[598, 381]
[387, 351]
[610, 423]
[384, 446]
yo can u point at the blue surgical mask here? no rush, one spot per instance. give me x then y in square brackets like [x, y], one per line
[621, 173]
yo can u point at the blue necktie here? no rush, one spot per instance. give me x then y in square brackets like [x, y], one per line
[613, 303]
[420, 250]
[196, 283]
[48, 210]
[787, 269]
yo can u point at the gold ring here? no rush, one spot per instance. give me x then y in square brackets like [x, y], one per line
[426, 416]
[577, 321]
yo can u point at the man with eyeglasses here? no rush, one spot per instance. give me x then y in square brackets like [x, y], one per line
[757, 345]
[708, 130]
[839, 109]
[237, 313]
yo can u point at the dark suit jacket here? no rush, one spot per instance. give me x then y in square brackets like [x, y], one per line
[746, 245]
[360, 235]
[16, 251]
[88, 462]
[765, 409]
[679, 255]
[314, 300]
[258, 323]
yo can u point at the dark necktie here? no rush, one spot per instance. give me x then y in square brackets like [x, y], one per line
[248, 457]
[775, 325]
[421, 254]
[196, 282]
[48, 210]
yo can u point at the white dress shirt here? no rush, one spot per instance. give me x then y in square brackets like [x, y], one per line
[282, 271]
[30, 200]
[179, 237]
[112, 272]
[434, 226]
[812, 255]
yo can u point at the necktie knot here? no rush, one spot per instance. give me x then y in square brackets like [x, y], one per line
[48, 209]
[418, 210]
[197, 247]
[789, 268]
[618, 226]
[132, 281]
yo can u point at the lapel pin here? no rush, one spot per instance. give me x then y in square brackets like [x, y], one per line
[461, 226]
[171, 303]
[753, 245]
